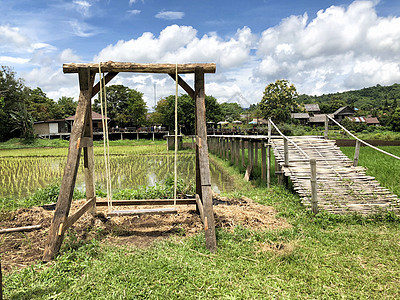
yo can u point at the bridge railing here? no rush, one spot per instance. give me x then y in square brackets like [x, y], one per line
[358, 141]
[313, 163]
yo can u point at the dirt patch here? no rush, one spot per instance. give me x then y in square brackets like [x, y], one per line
[20, 249]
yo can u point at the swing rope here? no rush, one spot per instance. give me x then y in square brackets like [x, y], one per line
[176, 135]
[106, 144]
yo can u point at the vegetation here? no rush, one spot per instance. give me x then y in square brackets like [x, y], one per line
[125, 106]
[279, 100]
[318, 256]
[165, 112]
[377, 101]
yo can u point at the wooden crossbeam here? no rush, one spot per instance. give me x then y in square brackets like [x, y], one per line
[182, 83]
[72, 219]
[109, 76]
[111, 66]
[148, 202]
[138, 212]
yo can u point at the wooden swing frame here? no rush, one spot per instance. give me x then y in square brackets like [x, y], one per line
[82, 137]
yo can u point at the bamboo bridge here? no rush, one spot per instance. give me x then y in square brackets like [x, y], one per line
[320, 173]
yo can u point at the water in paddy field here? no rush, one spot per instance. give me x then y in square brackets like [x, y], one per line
[21, 176]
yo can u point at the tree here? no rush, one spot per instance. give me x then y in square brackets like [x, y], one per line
[66, 106]
[279, 101]
[165, 112]
[12, 93]
[40, 107]
[231, 111]
[125, 106]
[395, 120]
[23, 123]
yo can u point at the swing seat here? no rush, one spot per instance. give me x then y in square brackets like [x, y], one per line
[138, 212]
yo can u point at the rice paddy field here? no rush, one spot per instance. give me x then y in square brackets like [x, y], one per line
[25, 170]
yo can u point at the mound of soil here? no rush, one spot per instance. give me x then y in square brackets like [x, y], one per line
[20, 249]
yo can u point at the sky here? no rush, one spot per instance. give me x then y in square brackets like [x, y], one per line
[320, 46]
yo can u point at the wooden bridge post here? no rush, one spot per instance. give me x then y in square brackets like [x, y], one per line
[256, 153]
[313, 180]
[356, 153]
[263, 161]
[232, 144]
[243, 153]
[279, 172]
[250, 153]
[286, 152]
[201, 131]
[237, 152]
[326, 127]
[57, 228]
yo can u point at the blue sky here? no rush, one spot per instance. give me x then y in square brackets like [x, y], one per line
[320, 46]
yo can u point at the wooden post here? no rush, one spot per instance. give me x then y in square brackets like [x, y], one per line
[237, 151]
[243, 152]
[286, 152]
[56, 231]
[232, 143]
[201, 129]
[256, 153]
[326, 127]
[356, 153]
[250, 153]
[268, 165]
[263, 161]
[313, 179]
[279, 172]
[88, 155]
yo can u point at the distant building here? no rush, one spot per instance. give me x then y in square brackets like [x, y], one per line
[312, 109]
[62, 128]
[319, 120]
[341, 113]
[303, 118]
[370, 121]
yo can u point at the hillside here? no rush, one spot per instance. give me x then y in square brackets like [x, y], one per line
[367, 99]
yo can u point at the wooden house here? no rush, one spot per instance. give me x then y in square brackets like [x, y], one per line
[343, 112]
[312, 109]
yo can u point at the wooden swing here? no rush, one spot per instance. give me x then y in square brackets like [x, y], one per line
[135, 212]
[82, 138]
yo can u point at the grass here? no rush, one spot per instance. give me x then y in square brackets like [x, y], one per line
[384, 168]
[320, 256]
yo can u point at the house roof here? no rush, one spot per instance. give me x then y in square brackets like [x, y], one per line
[95, 116]
[358, 119]
[343, 109]
[311, 107]
[372, 120]
[300, 115]
[318, 118]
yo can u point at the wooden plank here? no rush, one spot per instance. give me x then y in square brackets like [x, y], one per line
[263, 162]
[19, 229]
[87, 206]
[109, 76]
[182, 83]
[200, 206]
[56, 231]
[201, 131]
[138, 212]
[160, 202]
[111, 66]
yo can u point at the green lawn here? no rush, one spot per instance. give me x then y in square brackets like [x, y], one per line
[319, 257]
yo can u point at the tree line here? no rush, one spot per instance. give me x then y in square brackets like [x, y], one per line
[21, 106]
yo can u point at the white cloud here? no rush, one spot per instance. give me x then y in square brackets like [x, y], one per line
[13, 60]
[82, 7]
[134, 11]
[81, 29]
[341, 48]
[170, 15]
[12, 38]
[134, 1]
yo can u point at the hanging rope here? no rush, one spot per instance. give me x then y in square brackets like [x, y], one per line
[106, 144]
[176, 134]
